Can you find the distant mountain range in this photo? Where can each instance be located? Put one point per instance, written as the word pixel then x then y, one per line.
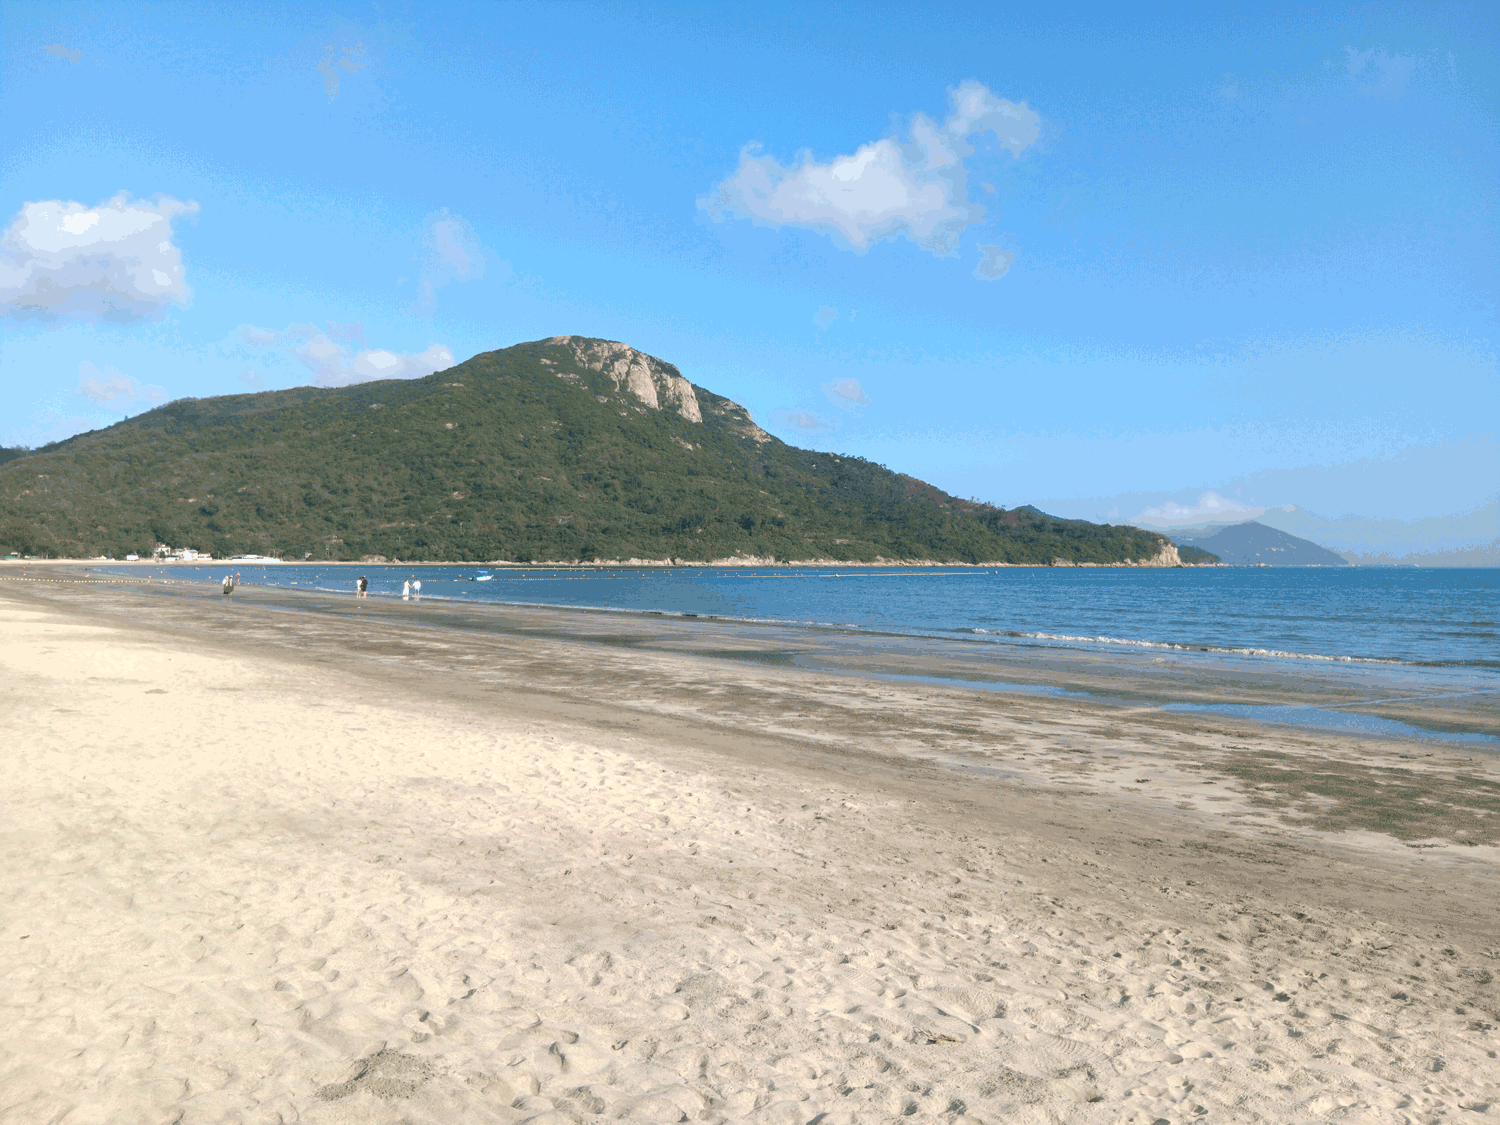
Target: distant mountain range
pixel 1251 544
pixel 565 449
pixel 1469 538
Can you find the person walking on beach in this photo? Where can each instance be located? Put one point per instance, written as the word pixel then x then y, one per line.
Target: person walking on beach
pixel 406 590
pixel 228 584
pixel 416 587
pixel 360 585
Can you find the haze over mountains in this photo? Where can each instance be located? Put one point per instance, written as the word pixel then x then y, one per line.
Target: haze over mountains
pixel 1470 538
pixel 563 449
pixel 1254 544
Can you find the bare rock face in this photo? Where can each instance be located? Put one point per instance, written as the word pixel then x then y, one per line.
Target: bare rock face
pixel 658 385
pixel 739 420
pixel 1167 556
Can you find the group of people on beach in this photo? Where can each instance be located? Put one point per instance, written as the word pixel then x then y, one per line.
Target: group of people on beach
pixel 411 588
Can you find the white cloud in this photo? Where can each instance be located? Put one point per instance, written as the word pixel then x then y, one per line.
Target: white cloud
pixel 106 385
pixel 825 316
pixel 846 394
pixel 58 51
pixel 116 261
pixel 339 356
pixel 450 252
pixel 995 264
pixel 1210 506
pixel 251 378
pixel 916 188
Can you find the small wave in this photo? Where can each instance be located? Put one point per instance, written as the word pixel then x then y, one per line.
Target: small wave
pixel 1456 663
pixel 1129 642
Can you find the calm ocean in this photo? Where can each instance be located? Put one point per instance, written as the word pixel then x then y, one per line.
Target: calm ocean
pixel 1433 618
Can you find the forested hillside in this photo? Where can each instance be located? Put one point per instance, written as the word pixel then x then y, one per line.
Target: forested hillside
pixel 563 449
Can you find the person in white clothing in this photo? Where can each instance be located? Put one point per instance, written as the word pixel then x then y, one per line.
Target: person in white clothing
pixel 416 588
pixel 406 589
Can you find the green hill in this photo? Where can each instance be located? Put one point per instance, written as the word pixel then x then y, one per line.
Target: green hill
pixel 562 449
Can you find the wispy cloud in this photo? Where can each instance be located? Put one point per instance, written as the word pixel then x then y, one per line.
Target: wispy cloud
pixel 1209 506
pixel 994 263
pixel 339 356
pixel 1379 75
pixel 58 51
pixel 803 422
pixel 108 384
pixel 251 378
pixel 117 261
pixel 846 394
pixel 450 252
pixel 335 59
pixel 46 426
pixel 825 316
pixel 913 187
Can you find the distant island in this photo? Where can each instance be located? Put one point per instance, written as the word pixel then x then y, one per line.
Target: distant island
pixel 1255 544
pixel 565 450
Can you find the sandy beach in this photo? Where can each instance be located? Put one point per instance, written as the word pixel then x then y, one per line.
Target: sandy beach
pixel 281 859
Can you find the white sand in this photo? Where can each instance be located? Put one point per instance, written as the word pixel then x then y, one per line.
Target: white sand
pixel 239 887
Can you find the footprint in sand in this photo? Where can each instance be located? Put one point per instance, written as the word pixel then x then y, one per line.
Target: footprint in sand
pixel 971 1003
pixel 1041 1055
pixel 386 1074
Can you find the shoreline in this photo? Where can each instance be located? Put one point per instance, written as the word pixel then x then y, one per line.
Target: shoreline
pixel 1432 702
pixel 741 562
pixel 337 864
pixel 738 561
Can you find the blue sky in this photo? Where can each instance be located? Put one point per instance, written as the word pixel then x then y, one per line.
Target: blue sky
pixel 1176 264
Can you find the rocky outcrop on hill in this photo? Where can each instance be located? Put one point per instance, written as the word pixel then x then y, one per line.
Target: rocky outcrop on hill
pixel 658 385
pixel 1166 557
pixel 734 417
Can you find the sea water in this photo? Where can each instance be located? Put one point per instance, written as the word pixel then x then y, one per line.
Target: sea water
pixel 1448 617
pixel 1440 627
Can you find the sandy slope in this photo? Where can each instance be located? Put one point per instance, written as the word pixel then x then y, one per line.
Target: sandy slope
pixel 249 886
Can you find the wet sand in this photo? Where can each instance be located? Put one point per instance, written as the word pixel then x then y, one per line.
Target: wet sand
pixel 285 854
